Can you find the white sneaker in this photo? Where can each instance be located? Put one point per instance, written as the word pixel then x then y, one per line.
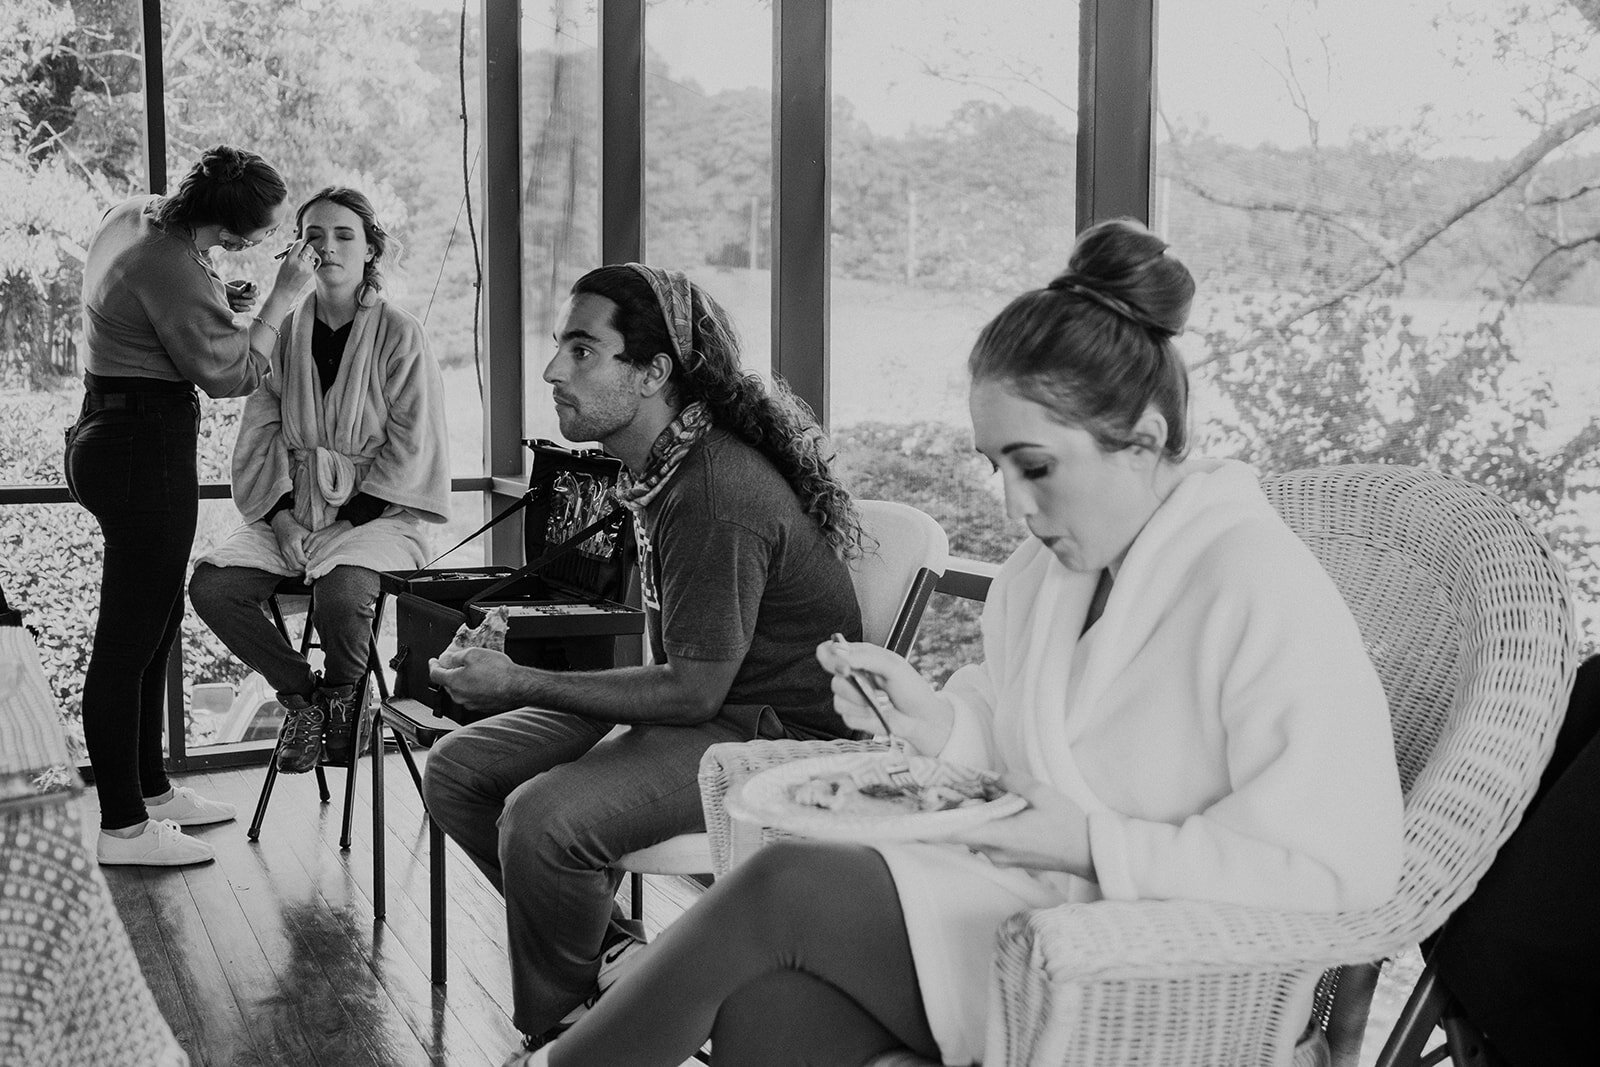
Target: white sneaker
pixel 618 960
pixel 161 844
pixel 188 808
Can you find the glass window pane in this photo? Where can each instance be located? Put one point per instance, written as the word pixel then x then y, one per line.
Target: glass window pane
pixel 225 701
pixel 50 570
pixel 364 93
pixel 561 179
pixel 708 155
pixel 71 86
pixel 213 676
pixel 953 162
pixel 1394 236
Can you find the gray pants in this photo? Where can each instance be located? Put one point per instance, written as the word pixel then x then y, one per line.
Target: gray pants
pixel 545 807
pixel 232 601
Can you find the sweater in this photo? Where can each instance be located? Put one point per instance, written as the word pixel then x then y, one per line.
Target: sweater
pixel 380 430
pixel 153 308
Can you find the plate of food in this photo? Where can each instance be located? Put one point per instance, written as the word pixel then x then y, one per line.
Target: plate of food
pixel 872 796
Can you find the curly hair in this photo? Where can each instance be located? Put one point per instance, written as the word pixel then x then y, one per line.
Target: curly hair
pixel 378 239
pixel 777 424
pixel 231 186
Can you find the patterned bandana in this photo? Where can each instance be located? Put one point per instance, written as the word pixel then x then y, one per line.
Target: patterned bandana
pixel 677 308
pixel 668 451
pixel 671 445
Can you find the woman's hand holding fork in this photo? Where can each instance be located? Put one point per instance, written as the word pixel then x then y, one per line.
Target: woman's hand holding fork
pixel 914 713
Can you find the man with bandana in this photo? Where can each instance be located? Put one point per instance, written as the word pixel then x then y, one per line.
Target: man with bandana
pixel 743 535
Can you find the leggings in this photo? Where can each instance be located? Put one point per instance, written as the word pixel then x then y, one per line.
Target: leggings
pixel 799 957
pixel 131 462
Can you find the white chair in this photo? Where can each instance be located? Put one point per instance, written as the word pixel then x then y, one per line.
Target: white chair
pixel 1468 619
pixel 904 558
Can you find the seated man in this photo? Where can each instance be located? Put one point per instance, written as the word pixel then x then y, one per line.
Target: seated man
pixel 743 534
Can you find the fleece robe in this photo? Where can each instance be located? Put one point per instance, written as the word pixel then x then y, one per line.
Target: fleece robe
pixel 1221 724
pixel 380 429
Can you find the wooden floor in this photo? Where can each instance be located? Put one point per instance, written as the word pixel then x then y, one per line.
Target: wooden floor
pixel 271 954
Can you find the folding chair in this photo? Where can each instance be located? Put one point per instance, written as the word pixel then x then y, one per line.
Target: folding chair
pixel 1511 976
pixel 293 588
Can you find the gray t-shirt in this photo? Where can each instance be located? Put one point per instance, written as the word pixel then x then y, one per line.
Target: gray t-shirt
pixel 740 570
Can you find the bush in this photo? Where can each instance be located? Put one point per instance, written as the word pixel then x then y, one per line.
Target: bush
pixel 932 467
pixel 1357 382
pixel 1354 382
pixel 50 554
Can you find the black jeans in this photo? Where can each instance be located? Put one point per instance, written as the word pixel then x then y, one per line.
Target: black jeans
pixel 130 460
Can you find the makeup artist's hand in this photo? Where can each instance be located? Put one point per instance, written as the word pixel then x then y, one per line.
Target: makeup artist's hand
pixel 241 295
pixel 299 266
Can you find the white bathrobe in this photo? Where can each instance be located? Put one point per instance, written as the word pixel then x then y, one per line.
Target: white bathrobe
pixel 380 429
pixel 1220 723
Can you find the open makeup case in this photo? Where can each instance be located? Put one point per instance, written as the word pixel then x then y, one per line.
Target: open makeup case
pixel 566 605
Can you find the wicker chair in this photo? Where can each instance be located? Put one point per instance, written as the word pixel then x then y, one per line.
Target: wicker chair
pixel 1468 619
pixel 71 991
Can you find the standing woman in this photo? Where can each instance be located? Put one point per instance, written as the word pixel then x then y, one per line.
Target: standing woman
pixel 157 322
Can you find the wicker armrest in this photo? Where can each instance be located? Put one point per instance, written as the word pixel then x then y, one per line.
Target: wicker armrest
pixel 724 767
pixel 1113 940
pixel 1065 976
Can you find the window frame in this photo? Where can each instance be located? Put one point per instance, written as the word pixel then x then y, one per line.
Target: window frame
pixel 1117 50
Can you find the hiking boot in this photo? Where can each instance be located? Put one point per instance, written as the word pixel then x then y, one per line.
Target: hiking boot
pixel 302 734
pixel 339 705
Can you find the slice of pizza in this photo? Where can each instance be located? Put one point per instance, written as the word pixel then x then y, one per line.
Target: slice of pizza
pixel 490 633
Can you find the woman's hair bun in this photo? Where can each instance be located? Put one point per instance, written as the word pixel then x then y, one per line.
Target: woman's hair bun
pixel 223 164
pixel 1122 266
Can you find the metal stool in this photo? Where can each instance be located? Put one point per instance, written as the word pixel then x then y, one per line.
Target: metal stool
pixel 295 587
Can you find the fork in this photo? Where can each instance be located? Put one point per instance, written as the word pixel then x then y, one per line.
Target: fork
pixel 898 768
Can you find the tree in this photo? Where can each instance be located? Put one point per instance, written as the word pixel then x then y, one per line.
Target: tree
pixel 332 92
pixel 1309 258
pixel 1360 242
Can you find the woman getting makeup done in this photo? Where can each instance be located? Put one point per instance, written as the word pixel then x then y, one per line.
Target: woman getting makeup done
pixel 342 457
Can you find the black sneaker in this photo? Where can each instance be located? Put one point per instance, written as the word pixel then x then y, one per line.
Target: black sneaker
pixel 302 734
pixel 339 708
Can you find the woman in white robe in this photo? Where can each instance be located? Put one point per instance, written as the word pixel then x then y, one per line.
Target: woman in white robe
pixel 1169 678
pixel 340 460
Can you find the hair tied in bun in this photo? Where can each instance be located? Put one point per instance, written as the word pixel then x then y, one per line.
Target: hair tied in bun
pixel 223 164
pixel 1080 286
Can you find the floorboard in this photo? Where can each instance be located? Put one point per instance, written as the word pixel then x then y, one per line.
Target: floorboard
pixel 272 955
